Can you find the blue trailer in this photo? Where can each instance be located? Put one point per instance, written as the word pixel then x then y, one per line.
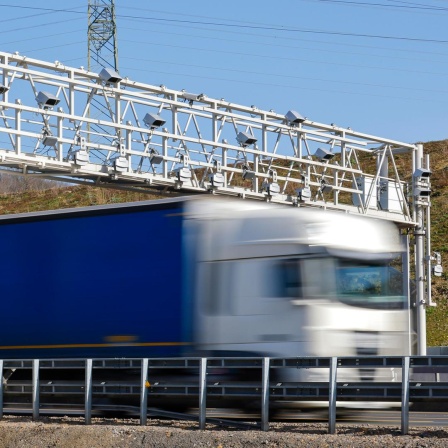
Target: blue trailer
pixel 103 281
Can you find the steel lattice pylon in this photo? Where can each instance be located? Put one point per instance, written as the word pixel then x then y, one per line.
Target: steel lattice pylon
pixel 102 35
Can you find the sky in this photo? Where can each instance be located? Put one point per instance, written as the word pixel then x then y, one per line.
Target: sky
pixel 379 67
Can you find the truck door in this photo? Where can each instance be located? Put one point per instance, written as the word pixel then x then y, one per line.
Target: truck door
pixel 246 308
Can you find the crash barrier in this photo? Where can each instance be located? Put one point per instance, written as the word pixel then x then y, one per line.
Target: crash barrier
pixel 38 386
pixel 439 350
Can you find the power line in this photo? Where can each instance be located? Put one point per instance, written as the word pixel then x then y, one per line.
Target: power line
pixel 413 51
pixel 253 26
pixel 357 3
pixel 265 73
pixel 50 10
pixel 295 86
pixel 413 3
pixel 286 76
pixel 53 46
pixel 301 47
pixel 291 29
pixel 202 49
pixel 36 26
pixel 46 36
pixel 288 58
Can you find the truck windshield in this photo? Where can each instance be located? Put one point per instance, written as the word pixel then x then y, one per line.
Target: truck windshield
pixel 369 285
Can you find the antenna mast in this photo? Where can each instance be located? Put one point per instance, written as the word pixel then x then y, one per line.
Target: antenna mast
pixel 102 48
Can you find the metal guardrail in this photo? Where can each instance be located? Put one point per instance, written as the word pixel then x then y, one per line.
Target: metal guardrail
pixel 203 378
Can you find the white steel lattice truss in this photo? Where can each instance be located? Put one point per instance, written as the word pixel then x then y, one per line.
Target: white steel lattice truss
pixel 150 137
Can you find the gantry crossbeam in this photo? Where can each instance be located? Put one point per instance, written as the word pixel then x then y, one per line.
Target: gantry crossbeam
pixel 151 137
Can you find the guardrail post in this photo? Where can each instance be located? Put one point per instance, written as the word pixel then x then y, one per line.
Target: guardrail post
pixel 203 393
pixel 88 390
pixel 332 396
pixel 405 396
pixel 144 384
pixel 265 396
pixel 1 388
pixel 35 388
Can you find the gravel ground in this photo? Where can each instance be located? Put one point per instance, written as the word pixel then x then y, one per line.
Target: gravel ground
pixel 22 432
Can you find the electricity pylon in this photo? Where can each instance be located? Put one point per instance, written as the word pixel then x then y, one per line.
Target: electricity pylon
pixel 102 48
pixel 102 35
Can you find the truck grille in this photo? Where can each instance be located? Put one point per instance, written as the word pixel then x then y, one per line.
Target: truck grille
pixel 366 344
